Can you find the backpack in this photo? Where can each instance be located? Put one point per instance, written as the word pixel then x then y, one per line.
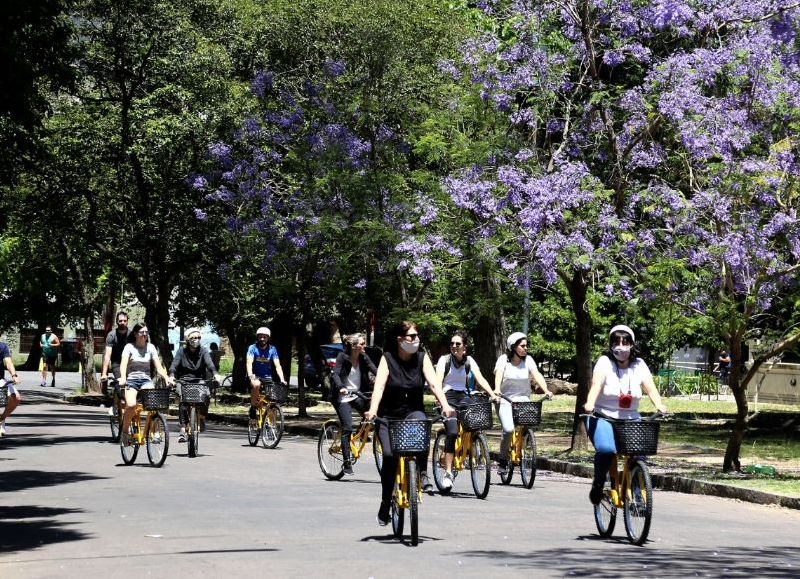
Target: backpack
pixel 470 382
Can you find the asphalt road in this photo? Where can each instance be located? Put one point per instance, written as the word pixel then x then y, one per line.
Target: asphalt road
pixel 69 508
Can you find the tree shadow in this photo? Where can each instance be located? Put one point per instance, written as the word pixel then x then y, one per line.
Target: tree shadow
pixel 23 535
pixel 36 440
pixel 17 480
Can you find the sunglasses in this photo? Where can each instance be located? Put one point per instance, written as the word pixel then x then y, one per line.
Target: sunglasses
pixel 412 336
pixel 456 344
pixel 145 333
pixel 194 339
pixel 623 340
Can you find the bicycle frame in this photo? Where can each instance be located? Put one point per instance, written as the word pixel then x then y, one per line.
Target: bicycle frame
pixel 515 447
pixel 139 438
pixel 401 477
pixel 359 438
pixel 620 480
pixel 463 446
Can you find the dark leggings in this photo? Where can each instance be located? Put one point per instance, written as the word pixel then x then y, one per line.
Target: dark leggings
pixel 344 410
pixel 457 399
pixel 389 468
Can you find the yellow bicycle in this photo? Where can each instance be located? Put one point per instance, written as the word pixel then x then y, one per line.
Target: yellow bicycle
pixel 472 449
pixel 522 449
pixel 154 433
pixel 329 446
pixel 117 407
pixel 268 423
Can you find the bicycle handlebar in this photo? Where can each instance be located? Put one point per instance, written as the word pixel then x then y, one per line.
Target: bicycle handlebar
pixel 657 415
pixel 508 399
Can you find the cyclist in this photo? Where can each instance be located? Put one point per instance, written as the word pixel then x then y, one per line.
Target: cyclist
pixel 261 357
pixel 399 385
pixel 139 357
pixel 351 374
pixel 513 374
pixel 115 343
pixel 13 394
pixel 458 373
pixel 193 361
pixel 618 381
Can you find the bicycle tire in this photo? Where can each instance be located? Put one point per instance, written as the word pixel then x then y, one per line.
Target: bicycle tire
pixel 193 432
pixel 253 430
pixel 331 461
pixel 413 500
pixel 227 382
pixel 377 450
pixel 527 462
pixel 638 502
pixel 272 430
pixel 398 514
pixel 437 463
pixel 157 439
pixel 115 421
pixel 131 450
pixel 605 513
pixel 479 466
pixel 505 477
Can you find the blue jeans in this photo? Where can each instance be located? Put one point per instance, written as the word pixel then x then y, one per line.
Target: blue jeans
pixel 601 433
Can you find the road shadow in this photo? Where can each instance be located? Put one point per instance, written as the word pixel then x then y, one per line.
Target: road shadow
pixel 21 534
pixel 33 440
pixel 651 560
pixel 390 538
pixel 17 480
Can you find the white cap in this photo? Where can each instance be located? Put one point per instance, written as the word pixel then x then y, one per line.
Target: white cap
pixel 514 338
pixel 263 330
pixel 622 328
pixel 191 331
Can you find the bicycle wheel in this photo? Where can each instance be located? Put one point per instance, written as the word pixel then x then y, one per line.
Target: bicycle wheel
pixel 398 514
pixel 253 430
pixel 194 432
pixel 272 430
pixel 157 437
pixel 413 500
pixel 227 382
pixel 377 450
pixel 638 502
pixel 329 451
pixel 527 463
pixel 479 466
pixel 130 450
pixel 437 463
pixel 605 513
pixel 115 420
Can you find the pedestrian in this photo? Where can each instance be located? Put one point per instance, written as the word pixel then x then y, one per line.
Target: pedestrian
pixel 723 365
pixel 13 394
pixel 50 343
pixel 216 354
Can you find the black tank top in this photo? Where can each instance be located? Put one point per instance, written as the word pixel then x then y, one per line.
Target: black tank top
pixel 404 387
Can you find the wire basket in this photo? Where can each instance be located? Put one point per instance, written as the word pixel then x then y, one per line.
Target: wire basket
pixel 275 391
pixel 193 393
pixel 155 398
pixel 476 416
pixel 409 436
pixel 3 395
pixel 636 437
pixel 527 413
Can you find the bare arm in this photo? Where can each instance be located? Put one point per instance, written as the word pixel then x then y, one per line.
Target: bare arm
pixel 106 362
pixel 123 368
pixel 9 363
pixel 540 381
pixel 161 371
pixel 650 389
pixel 377 392
pixel 279 370
pixel 436 386
pixel 598 378
pixel 482 381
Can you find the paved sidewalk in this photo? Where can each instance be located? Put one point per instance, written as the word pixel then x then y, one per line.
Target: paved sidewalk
pixel 68 388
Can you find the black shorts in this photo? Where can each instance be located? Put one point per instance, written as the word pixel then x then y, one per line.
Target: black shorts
pixel 50 360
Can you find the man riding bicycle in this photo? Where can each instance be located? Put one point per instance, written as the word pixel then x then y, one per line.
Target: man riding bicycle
pixel 115 343
pixel 261 357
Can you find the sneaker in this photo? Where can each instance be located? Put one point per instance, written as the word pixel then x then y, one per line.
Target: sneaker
pixel 111 411
pixel 447 481
pixel 427 487
pixel 42 383
pixel 502 467
pixel 596 494
pixel 348 468
pixel 182 436
pixel 383 514
pixel 2 429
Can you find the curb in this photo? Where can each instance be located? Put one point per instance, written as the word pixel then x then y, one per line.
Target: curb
pixel 664 482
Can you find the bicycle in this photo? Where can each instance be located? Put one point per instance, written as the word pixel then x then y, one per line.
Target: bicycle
pixel 472 449
pixel 155 433
pixel 268 423
pixel 117 407
pixel 631 488
pixel 407 438
pixel 329 445
pixel 522 448
pixel 193 393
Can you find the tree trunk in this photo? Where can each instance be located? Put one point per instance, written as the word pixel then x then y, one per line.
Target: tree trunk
pixel 35 355
pixel 90 382
pixel 156 316
pixel 490 329
pixel 739 389
pixel 578 286
pixel 239 342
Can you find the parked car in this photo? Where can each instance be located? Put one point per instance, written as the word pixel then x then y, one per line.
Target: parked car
pixel 324 382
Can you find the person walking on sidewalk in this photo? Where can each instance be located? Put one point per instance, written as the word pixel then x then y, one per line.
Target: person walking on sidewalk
pixel 13 394
pixel 50 343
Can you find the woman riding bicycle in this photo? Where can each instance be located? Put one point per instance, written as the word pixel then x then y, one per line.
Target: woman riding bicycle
pixel 618 381
pixel 193 361
pixel 458 373
pixel 350 375
pixel 399 385
pixel 513 374
pixel 138 359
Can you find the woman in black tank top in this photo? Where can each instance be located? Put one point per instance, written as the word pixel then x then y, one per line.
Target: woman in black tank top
pixel 399 384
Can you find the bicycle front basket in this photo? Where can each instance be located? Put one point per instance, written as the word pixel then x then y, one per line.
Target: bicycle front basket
pixel 275 391
pixel 527 413
pixel 155 398
pixel 636 437
pixel 3 395
pixel 409 436
pixel 476 416
pixel 193 392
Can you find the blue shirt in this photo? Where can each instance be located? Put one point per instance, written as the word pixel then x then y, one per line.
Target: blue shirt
pixel 262 360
